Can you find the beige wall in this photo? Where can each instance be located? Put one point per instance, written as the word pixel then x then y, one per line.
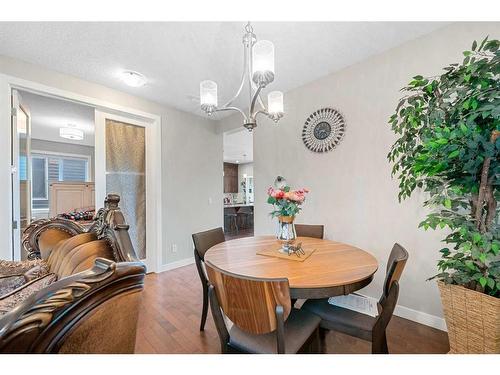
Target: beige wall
pixel 352 192
pixel 187 141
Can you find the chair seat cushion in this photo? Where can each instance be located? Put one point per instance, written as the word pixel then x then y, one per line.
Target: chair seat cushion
pixel 342 320
pixel 299 327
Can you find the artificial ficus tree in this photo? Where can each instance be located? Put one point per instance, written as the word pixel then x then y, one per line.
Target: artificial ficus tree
pixel 449 146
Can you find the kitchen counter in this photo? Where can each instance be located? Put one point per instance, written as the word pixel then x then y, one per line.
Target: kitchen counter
pixel 238 205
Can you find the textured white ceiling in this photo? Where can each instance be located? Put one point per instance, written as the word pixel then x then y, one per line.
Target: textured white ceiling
pixel 238 146
pixel 49 114
pixel 176 56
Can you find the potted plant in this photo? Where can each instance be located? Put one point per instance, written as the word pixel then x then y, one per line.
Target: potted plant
pixel 287 203
pixel 449 142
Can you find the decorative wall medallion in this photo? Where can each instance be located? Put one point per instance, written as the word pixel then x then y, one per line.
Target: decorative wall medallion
pixel 323 130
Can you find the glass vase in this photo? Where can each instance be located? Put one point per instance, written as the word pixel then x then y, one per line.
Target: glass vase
pixel 286 233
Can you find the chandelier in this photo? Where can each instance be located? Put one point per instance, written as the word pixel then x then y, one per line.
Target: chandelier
pixel 258 71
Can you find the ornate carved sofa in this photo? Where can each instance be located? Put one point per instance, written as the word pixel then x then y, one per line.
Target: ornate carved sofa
pixel 94 304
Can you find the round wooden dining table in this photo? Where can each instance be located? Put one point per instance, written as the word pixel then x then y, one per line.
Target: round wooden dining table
pixel 332 269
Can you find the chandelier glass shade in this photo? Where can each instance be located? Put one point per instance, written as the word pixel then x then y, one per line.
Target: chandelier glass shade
pixel 258 72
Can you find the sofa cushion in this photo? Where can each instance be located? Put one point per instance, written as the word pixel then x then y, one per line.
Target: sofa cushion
pixel 17 296
pixel 9 268
pixel 10 283
pixel 14 274
pixel 39 270
pixel 65 246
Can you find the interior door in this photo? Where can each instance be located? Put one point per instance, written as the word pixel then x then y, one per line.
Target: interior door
pixel 121 162
pixel 21 172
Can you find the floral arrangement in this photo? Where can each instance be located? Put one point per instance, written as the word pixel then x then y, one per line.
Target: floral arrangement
pixel 286 202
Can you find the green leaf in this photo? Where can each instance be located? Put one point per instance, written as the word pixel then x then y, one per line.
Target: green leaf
pixel 474 45
pixel 483 281
pixel 447 203
pixel 453 154
pixel 271 200
pixel 476 237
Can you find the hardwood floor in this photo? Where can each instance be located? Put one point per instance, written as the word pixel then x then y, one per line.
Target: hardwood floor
pixel 170 317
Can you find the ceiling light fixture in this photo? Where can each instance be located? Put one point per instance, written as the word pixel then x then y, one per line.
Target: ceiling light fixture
pixel 133 79
pixel 258 70
pixel 71 132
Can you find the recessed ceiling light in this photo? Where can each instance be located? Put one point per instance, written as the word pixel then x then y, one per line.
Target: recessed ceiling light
pixel 237 161
pixel 71 132
pixel 132 78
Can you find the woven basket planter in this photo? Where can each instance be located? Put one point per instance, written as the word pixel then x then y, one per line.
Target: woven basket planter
pixel 472 318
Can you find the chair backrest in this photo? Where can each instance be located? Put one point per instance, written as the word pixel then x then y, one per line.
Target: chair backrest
pixel 205 240
pixel 230 211
pixel 251 303
pixel 395 266
pixel 245 210
pixel 307 230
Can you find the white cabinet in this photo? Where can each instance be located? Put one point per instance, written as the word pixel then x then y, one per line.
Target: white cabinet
pixel 68 196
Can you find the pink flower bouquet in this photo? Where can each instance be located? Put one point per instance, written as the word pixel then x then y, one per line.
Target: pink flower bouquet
pixel 286 202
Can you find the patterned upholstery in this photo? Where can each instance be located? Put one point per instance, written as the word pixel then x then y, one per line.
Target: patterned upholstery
pixel 14 275
pixel 10 283
pixel 8 268
pixel 14 298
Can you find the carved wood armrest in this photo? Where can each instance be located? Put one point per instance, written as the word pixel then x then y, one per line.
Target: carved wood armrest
pixel 40 323
pixel 33 232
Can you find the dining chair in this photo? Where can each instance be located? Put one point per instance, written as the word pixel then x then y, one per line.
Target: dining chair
pixel 361 325
pixel 231 214
pixel 202 242
pixel 308 230
pixel 262 316
pixel 246 213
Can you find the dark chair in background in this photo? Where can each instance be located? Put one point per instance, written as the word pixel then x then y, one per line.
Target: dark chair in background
pixel 245 213
pixel 361 325
pixel 202 242
pixel 231 216
pixel 306 230
pixel 263 318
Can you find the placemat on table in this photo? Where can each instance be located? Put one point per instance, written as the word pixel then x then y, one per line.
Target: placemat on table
pixel 274 251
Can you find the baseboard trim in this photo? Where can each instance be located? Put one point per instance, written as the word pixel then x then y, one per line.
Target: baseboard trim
pixel 176 264
pixel 401 311
pixel 418 316
pixel 421 317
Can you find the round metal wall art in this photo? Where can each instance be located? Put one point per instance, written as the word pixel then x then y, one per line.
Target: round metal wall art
pixel 323 130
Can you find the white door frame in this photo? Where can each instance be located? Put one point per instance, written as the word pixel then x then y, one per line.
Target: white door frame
pixel 7 84
pixel 18 105
pixel 100 171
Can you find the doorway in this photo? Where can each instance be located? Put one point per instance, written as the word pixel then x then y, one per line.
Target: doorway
pixel 30 164
pixel 53 159
pixel 238 194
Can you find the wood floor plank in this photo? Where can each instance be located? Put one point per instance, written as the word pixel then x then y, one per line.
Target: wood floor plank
pixel 170 314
